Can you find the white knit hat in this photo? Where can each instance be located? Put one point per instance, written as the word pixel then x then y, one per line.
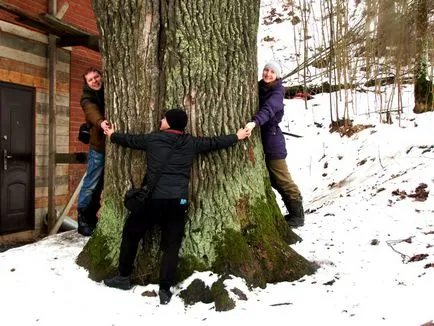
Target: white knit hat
pixel 273 65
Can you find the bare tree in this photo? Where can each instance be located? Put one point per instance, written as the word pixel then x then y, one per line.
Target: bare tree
pixel 393 48
pixel 200 56
pixel 423 93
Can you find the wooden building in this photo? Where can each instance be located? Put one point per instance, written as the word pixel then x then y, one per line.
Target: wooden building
pixel 45 46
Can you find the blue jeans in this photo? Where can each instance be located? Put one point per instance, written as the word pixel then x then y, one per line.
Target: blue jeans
pixel 90 193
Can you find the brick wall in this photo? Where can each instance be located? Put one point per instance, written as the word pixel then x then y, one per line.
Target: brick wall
pixel 32 7
pixel 80 14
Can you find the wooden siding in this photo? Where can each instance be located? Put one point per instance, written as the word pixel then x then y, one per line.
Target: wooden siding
pixel 32 61
pixel 24 62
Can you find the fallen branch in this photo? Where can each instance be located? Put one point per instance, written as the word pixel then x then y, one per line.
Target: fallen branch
pixel 404 257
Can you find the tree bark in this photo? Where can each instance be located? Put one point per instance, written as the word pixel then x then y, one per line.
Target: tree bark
pixel 423 96
pixel 201 56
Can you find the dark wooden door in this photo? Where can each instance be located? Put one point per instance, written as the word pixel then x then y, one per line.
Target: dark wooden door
pixel 17 158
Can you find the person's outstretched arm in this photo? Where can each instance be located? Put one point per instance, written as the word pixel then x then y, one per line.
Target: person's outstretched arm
pixel 207 144
pixel 268 110
pixel 92 112
pixel 126 140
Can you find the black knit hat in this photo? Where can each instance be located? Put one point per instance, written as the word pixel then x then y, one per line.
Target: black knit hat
pixel 177 119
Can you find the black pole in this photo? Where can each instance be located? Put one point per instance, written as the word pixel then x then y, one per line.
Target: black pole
pixel 291 134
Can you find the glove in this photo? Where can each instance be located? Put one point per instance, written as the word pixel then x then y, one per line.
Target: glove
pixel 250 125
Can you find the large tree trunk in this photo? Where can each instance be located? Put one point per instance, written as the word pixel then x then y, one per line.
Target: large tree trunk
pixel 200 55
pixel 423 96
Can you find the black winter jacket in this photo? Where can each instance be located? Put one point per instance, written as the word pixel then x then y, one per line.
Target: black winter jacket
pixel 173 182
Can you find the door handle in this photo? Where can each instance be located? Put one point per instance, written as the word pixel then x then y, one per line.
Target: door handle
pixel 5 159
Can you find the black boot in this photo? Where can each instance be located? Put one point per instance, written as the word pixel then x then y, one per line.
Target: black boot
pixel 295 216
pixel 85 226
pixel 119 282
pixel 92 210
pixel 165 296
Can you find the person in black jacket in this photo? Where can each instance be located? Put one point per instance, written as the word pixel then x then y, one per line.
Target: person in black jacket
pixel 169 199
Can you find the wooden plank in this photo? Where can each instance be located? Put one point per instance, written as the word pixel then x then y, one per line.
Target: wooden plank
pixel 24 45
pixel 68 206
pixel 90 41
pixel 61 99
pixel 24 56
pixel 23 32
pixel 49 23
pixel 62 11
pixel 43 191
pixel 52 58
pixel 71 158
pixel 61 27
pixel 26 80
pixel 24 17
pixel 41 84
pixel 8 64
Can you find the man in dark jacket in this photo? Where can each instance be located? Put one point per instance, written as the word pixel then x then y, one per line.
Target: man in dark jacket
pixel 92 103
pixel 169 199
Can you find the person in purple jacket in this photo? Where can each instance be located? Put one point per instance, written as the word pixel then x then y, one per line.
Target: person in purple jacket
pixel 268 117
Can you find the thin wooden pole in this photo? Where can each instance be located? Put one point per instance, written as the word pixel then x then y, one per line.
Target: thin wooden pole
pixel 52 59
pixel 59 222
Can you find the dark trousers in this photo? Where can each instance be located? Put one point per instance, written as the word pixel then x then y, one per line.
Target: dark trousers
pixel 170 214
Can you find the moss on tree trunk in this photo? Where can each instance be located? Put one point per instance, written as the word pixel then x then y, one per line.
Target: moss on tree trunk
pixel 199 55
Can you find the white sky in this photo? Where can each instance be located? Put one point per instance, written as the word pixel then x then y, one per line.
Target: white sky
pixel 40 284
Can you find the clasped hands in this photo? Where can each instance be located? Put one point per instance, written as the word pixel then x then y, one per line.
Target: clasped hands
pixel 108 128
pixel 246 132
pixel 250 125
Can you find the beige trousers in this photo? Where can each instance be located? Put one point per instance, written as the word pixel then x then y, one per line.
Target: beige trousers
pixel 281 180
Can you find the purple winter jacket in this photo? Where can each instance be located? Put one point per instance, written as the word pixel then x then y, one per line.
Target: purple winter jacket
pixel 268 118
